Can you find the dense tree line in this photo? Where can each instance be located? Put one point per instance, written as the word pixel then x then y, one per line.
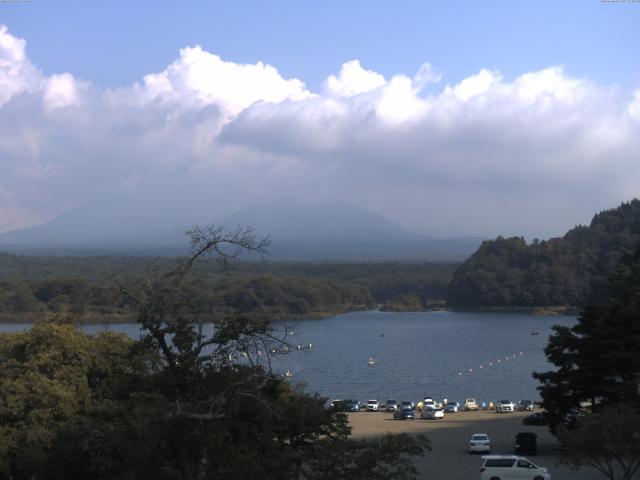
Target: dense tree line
pixel 279 297
pixel 179 403
pixel 592 398
pixel 572 270
pixel 87 286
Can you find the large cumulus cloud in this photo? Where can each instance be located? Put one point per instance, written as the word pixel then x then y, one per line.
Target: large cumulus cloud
pixel 485 155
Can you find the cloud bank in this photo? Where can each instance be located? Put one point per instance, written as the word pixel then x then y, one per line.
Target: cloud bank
pixel 485 155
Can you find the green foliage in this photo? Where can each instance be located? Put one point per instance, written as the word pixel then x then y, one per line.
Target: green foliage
pixel 182 403
pixel 572 270
pixel 408 302
pixel 48 375
pixel 83 286
pixel 366 459
pixel 608 440
pixel 598 359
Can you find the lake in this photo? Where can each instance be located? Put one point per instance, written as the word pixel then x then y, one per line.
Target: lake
pixel 453 355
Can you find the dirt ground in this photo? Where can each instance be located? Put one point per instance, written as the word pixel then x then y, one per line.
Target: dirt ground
pixel 450 459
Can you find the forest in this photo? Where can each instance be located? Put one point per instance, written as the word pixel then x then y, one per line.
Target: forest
pixel 88 287
pixel 504 273
pixel 571 270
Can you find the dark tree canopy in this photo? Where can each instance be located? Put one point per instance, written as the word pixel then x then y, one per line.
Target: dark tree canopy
pixel 607 440
pixel 571 270
pixel 598 359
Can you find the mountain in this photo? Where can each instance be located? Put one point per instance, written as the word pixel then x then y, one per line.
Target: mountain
pixel 571 270
pixel 337 231
pixel 298 230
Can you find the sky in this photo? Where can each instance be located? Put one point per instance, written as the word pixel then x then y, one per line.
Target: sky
pixel 449 118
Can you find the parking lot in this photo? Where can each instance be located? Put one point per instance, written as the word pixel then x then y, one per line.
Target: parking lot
pixel 450 458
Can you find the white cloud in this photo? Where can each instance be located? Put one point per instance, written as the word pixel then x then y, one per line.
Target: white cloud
pixel 474 85
pixel 425 76
pixel 200 78
pixel 634 106
pixel 17 74
pixel 485 155
pixel 353 80
pixel 61 91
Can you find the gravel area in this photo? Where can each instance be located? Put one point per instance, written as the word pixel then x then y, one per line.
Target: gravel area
pixel 449 458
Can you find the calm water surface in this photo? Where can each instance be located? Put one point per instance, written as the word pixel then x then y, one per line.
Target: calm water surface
pixel 427 353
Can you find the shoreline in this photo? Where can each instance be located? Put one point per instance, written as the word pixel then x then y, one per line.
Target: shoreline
pixel 123 318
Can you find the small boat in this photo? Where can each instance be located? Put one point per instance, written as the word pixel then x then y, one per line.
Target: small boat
pixel 288 373
pixel 371 361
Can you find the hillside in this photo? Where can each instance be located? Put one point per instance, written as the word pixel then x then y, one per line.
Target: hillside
pixel 572 270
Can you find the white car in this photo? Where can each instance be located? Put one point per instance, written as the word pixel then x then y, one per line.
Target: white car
pixel 432 413
pixel 505 406
pixel 372 405
pixel 429 402
pixel 479 442
pixel 470 404
pixel 511 466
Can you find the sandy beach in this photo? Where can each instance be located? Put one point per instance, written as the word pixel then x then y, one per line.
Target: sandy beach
pixel 450 459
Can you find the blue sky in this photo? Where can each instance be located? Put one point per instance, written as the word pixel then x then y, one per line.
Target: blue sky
pixel 450 118
pixel 114 43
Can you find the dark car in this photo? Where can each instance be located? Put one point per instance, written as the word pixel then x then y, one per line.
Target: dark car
pixel 344 405
pixel 526 443
pixel 404 414
pixel 538 418
pixel 391 406
pixel 525 405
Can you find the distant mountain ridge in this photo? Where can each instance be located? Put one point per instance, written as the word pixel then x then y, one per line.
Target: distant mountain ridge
pixel 572 270
pixel 298 230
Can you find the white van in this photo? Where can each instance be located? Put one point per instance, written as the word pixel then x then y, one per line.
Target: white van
pixel 511 467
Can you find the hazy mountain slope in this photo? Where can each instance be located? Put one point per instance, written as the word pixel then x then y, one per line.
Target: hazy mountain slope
pixel 298 231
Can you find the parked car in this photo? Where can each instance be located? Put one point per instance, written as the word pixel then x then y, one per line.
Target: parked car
pixel 470 404
pixel 345 405
pixel 511 466
pixel 505 406
pixel 404 414
pixel 407 404
pixel 526 443
pixel 452 407
pixel 538 418
pixel 338 405
pixel 525 405
pixel 372 405
pixel 479 442
pixel 429 402
pixel 432 413
pixel 391 406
